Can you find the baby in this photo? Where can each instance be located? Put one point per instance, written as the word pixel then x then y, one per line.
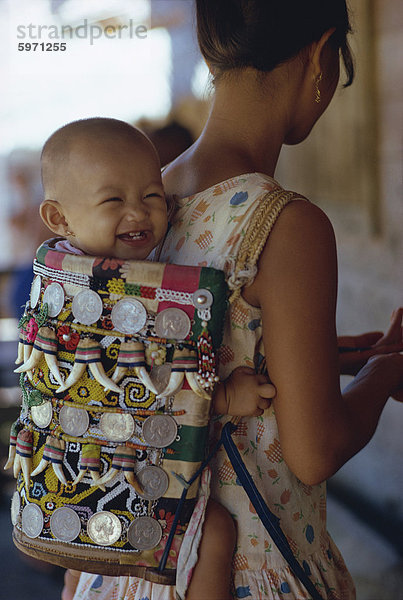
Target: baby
pixel 105 197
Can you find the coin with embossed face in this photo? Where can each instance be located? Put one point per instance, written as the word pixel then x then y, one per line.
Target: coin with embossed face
pixel 154 482
pixel 15 507
pixel 117 427
pixel 54 297
pixel 128 315
pixel 65 524
pixel 104 528
pixel 87 307
pixel 73 421
pixel 32 520
pixel 35 291
pixel 159 430
pixel 172 323
pixel 42 414
pixel 144 533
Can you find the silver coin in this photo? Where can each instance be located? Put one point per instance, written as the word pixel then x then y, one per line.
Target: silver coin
pixel 87 307
pixel 160 375
pixel 202 298
pixel 159 431
pixel 117 427
pixel 74 421
pixel 104 528
pixel 35 291
pixel 42 414
pixel 65 524
pixel 154 482
pixel 32 520
pixel 144 533
pixel 129 315
pixel 172 323
pixel 15 507
pixel 54 297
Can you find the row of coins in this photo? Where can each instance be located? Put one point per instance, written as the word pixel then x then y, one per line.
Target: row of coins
pixel 104 528
pixel 128 315
pixel 158 431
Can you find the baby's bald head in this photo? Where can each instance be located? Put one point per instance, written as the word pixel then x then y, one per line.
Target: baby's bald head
pixel 83 136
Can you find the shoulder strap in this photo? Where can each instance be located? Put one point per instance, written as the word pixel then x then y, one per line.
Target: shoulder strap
pixel 259 228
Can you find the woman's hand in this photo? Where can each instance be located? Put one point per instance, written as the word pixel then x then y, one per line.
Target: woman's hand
pixel 382 373
pixel 355 351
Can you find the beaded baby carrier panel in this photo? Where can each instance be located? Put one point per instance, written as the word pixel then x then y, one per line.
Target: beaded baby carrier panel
pixel 117 367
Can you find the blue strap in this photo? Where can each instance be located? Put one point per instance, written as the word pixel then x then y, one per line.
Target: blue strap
pixel 269 520
pixel 186 486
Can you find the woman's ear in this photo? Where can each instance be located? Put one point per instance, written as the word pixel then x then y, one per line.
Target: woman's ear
pixel 316 52
pixel 52 215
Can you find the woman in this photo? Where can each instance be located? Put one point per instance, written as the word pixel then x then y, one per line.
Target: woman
pixel 276 67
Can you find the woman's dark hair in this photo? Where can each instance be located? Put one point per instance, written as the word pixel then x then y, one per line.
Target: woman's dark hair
pixel 234 34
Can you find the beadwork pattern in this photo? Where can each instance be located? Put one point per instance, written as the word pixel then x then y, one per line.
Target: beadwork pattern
pixel 100 387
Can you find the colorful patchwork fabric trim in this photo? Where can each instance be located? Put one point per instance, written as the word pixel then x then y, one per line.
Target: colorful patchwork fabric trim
pixel 117 363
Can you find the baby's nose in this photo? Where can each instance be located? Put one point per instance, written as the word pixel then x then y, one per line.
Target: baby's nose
pixel 137 212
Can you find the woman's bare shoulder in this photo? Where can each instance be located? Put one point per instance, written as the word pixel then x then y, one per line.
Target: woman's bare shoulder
pixel 302 242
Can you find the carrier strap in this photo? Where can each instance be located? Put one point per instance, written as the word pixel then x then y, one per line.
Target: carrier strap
pixel 259 227
pixel 269 520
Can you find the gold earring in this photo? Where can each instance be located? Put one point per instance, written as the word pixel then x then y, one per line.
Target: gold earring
pixel 317 90
pixel 70 233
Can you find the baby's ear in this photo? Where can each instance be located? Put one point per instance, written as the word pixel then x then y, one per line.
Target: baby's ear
pixel 52 215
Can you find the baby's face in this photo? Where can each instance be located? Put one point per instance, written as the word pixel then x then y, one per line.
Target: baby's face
pixel 113 199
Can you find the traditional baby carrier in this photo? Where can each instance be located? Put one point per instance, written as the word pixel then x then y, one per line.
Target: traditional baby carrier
pixel 117 367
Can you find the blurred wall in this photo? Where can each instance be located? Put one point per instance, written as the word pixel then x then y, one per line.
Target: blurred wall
pixel 352 167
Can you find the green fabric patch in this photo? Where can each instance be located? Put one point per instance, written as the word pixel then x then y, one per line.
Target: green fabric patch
pixel 190 446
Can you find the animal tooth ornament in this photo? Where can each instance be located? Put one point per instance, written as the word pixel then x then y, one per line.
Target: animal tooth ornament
pixel 22 342
pixel 88 353
pixel 124 458
pixel 192 376
pixel 82 440
pixel 24 350
pixel 23 456
pixel 184 361
pixel 53 454
pixel 45 344
pixel 90 461
pixel 12 445
pixel 131 356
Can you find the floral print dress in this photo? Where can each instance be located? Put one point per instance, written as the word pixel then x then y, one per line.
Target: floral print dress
pixel 207 230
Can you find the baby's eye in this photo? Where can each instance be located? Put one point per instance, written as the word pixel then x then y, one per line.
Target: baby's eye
pixel 113 199
pixel 153 195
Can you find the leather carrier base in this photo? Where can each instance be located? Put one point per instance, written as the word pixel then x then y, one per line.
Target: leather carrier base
pixel 110 563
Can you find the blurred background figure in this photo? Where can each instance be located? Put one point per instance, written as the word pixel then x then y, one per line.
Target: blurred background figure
pixel 26 229
pixel 170 140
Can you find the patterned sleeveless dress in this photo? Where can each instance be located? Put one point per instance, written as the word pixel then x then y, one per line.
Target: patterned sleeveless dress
pixel 207 230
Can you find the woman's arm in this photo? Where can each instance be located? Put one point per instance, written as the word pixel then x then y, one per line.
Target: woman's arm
pixel 296 288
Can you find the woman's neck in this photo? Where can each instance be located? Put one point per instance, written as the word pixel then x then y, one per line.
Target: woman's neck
pixel 243 134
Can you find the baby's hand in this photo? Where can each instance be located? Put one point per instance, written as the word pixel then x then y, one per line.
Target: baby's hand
pixel 247 394
pixel 70 584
